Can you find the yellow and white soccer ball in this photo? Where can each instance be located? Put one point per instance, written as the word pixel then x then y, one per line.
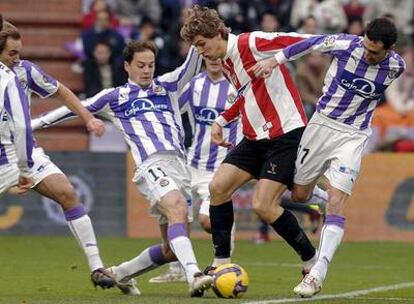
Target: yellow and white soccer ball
pixel 230 281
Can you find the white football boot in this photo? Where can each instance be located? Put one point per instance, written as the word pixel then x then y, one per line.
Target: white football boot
pixel 308 287
pixel 128 286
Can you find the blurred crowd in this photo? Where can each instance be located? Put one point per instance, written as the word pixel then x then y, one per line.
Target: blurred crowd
pixel 108 25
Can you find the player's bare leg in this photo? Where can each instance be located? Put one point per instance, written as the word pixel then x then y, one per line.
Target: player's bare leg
pixel 58 188
pixel 266 204
pixel 331 237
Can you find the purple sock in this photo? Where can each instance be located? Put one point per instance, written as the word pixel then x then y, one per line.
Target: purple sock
pixel 176 230
pixel 337 220
pixel 75 213
pixel 156 255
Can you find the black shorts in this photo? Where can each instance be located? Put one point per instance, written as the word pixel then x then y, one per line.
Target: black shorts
pixel 269 159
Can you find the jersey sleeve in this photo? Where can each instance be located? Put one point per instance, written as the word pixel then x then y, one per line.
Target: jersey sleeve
pixel 185 98
pixel 96 105
pixel 330 44
pixel 266 44
pixel 176 80
pixel 17 107
pixel 40 82
pixel 230 114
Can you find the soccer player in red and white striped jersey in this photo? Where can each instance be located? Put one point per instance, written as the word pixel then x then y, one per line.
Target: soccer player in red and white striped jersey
pixel 273 121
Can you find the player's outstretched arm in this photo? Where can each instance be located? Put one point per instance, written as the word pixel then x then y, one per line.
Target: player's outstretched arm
pixel 94 125
pixel 96 105
pixel 177 79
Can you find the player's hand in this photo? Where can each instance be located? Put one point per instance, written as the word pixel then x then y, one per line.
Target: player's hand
pixel 217 136
pixel 264 68
pixel 25 183
pixel 96 126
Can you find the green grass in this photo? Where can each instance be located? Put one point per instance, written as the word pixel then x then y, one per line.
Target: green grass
pixel 52 270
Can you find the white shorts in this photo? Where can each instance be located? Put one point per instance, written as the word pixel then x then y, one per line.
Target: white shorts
pixel 200 179
pixel 331 148
pixel 159 174
pixel 42 167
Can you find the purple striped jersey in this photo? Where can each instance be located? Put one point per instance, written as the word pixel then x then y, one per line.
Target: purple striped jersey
pixel 204 99
pixel 32 80
pixel 149 118
pixel 14 117
pixel 352 87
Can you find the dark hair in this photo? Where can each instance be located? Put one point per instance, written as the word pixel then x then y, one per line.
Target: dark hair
pixel 203 21
pixel 382 29
pixel 8 30
pixel 138 47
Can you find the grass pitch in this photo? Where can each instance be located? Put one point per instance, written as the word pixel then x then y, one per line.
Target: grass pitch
pixel 52 270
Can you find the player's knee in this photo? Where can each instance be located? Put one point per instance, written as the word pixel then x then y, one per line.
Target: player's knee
pixel 336 205
pixel 218 191
pixel 260 208
pixel 67 197
pixel 299 195
pixel 177 209
pixel 204 221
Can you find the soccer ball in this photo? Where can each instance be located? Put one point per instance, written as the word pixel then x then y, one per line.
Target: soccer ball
pixel 230 281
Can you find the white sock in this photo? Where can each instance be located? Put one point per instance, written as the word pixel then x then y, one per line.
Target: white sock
pixel 135 267
pixel 83 232
pixel 181 246
pixel 331 237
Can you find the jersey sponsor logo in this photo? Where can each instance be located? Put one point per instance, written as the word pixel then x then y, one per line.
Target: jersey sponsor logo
pixel 361 86
pixel 143 105
pixel 205 115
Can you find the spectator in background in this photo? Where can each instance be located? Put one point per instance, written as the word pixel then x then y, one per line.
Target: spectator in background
pixel 401 10
pixel 354 10
pixel 97 6
pixel 355 27
pixel 132 11
pixel 102 31
pixel 281 9
pixel 329 13
pixel 101 71
pixel 269 22
pixel 398 111
pixel 310 73
pixel 309 25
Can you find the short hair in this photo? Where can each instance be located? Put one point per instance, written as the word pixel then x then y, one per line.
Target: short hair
pixel 7 30
pixel 138 47
pixel 382 29
pixel 203 21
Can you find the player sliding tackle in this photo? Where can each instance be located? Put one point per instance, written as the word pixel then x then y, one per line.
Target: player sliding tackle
pixel 333 142
pixel 147 113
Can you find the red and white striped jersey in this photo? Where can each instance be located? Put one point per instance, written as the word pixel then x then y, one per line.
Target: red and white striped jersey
pixel 268 107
